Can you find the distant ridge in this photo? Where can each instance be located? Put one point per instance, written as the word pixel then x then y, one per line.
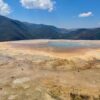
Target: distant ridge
pixel 16 30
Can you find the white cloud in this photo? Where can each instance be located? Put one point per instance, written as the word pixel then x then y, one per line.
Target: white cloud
pixel 38 4
pixel 86 14
pixel 4 8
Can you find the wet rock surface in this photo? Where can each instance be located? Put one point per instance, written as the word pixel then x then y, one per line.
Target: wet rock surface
pixel 27 75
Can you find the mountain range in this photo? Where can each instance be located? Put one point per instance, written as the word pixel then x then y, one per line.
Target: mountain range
pixel 11 29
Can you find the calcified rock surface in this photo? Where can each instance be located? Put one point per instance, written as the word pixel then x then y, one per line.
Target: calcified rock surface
pixel 32 70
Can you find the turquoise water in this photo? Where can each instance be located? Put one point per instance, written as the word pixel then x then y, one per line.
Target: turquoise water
pixel 72 44
pixel 60 44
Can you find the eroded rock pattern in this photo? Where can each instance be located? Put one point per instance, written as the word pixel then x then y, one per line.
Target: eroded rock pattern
pixel 28 75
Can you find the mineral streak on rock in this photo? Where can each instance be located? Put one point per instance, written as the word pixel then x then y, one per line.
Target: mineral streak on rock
pixel 32 70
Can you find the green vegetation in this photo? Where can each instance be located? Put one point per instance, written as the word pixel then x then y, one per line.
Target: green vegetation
pixel 16 30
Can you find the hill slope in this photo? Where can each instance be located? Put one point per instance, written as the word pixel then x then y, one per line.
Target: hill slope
pixel 16 30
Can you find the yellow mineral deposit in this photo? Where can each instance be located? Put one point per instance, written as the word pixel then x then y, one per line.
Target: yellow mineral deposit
pixel 34 70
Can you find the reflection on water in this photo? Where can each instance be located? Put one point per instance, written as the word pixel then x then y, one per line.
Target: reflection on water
pixel 72 44
pixel 57 44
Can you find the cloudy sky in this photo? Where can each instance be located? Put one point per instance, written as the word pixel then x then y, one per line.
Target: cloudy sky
pixel 61 13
